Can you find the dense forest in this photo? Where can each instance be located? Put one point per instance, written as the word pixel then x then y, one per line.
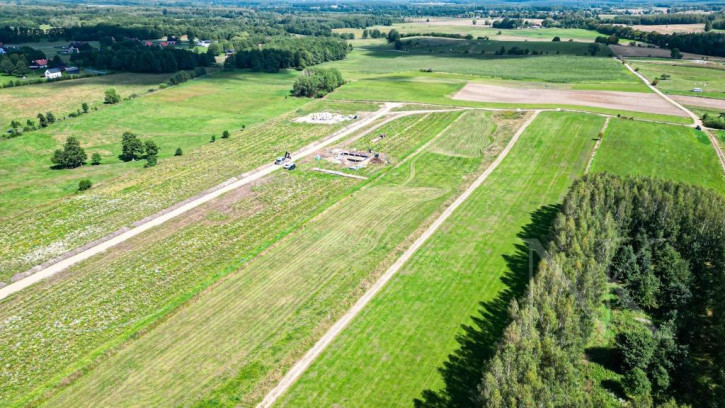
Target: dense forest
pixel 698 43
pixel 659 246
pixel 284 53
pixel 658 19
pixel 134 56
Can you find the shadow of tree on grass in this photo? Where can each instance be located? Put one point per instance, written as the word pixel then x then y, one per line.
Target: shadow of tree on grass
pixel 463 371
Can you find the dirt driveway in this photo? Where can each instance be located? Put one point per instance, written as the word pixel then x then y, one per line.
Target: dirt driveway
pixel 625 101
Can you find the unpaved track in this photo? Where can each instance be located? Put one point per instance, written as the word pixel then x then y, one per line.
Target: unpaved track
pixel 299 368
pixel 713 140
pixel 163 217
pixel 597 144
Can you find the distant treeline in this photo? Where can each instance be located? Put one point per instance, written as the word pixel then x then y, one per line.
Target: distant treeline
pixel 323 25
pixel 658 19
pixel 661 243
pixel 135 57
pixel 289 53
pixel 697 43
pixel 440 35
pixel 83 33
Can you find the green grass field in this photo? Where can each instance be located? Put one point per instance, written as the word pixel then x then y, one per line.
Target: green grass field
pixel 671 152
pixel 685 77
pixel 392 352
pixel 63 97
pixel 57 225
pixel 275 306
pixel 377 57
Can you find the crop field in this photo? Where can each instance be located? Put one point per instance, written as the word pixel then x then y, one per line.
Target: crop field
pixel 25 102
pixel 380 58
pixel 451 297
pixel 685 77
pixel 466 26
pixel 656 150
pixel 50 230
pixel 269 310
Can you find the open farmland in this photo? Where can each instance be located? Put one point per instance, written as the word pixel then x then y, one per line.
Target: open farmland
pixel 63 97
pixel 477 256
pixel 52 230
pixel 655 150
pixel 304 282
pixel 466 26
pixel 683 78
pixel 183 116
pixel 626 101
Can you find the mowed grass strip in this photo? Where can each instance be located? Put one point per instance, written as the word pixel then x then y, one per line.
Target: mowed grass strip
pixel 670 152
pixel 49 230
pixel 231 343
pixel 392 352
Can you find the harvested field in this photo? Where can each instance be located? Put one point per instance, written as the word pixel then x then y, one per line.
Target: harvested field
pixel 627 101
pixel 672 28
pixel 628 51
pixel 709 103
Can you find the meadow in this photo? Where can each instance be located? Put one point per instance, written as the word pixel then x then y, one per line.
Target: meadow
pixel 377 57
pixel 445 307
pixel 63 97
pixel 655 150
pixel 685 77
pixel 274 306
pixel 56 226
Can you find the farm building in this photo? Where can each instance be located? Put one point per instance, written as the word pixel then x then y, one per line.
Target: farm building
pixel 53 73
pixel 39 63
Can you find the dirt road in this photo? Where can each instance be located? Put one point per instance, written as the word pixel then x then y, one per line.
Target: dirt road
pixel 299 368
pixel 627 101
pixel 165 216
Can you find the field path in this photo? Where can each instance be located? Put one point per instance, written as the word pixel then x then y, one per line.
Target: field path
pixel 695 118
pixel 299 368
pixel 597 144
pixel 166 215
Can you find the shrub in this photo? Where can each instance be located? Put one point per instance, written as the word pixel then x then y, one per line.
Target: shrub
pixel 556 39
pixel 213 139
pixel 225 134
pixel 636 382
pixel 178 152
pixel 95 159
pixel 84 184
pixel 112 97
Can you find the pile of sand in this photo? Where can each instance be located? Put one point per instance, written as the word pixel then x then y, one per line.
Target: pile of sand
pixel 325 118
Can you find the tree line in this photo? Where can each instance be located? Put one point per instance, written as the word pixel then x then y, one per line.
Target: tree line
pixel 135 57
pixel 285 53
pixel 658 19
pixel 708 43
pixel 661 242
